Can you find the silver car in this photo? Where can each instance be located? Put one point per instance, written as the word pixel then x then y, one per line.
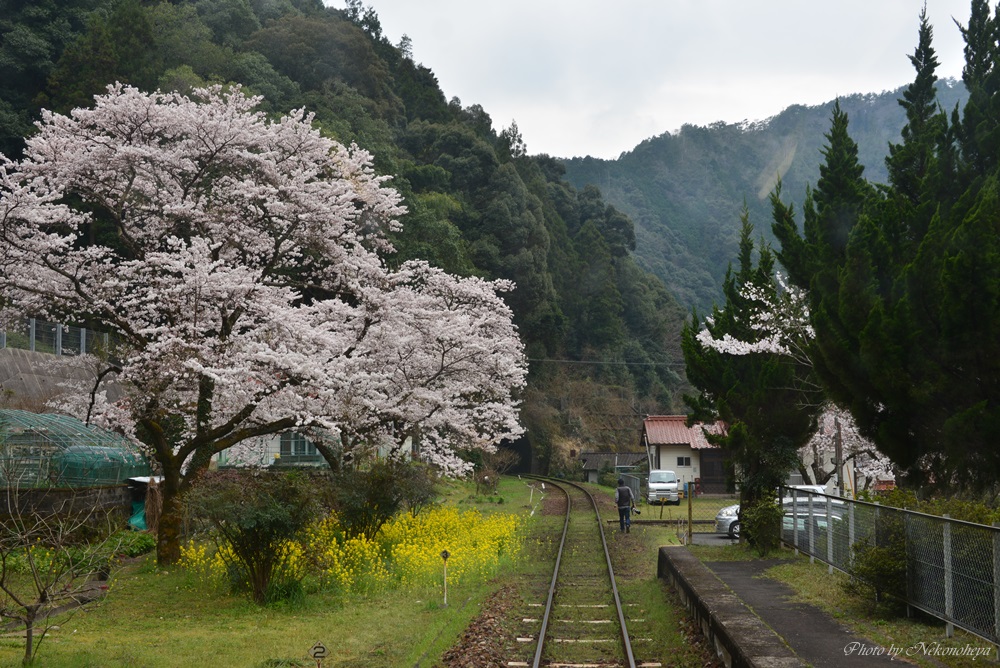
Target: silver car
pixel 727 520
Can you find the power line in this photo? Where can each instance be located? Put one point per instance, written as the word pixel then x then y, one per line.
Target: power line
pixel 609 362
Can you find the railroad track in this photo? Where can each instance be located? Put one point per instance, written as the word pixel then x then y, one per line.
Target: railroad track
pixel 583 622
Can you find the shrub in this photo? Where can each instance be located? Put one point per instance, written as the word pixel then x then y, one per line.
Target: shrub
pixel 878 565
pixel 255 517
pixel 135 543
pixel 878 575
pixel 366 499
pixel 761 525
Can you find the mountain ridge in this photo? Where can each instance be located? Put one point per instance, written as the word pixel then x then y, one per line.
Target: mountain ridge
pixel 684 190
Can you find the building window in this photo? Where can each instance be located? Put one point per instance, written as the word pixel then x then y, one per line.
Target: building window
pixel 683 461
pixel 294 444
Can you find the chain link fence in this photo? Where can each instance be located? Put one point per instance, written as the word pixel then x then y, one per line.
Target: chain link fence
pixel 951 566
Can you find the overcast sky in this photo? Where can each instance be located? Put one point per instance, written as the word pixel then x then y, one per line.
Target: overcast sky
pixel 582 77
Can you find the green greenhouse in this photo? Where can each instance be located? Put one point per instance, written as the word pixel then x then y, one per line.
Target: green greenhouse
pixel 50 450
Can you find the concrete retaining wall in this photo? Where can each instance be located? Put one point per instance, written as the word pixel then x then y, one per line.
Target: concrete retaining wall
pixel 739 637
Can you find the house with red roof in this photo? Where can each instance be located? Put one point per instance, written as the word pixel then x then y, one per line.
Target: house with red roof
pixel 670 444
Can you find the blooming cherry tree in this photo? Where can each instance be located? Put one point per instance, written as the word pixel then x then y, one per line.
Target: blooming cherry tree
pixel 818 457
pixel 778 318
pixel 238 261
pixel 780 322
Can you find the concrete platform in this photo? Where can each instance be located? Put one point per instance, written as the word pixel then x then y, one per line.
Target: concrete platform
pixel 751 621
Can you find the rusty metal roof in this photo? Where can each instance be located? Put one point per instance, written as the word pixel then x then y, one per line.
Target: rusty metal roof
pixel 673 430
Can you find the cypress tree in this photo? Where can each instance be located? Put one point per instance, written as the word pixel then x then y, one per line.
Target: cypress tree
pixel 910 162
pixel 766 399
pixel 815 260
pixel 905 282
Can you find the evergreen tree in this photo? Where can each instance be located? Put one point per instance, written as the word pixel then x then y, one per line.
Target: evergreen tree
pixel 905 288
pixel 978 130
pixel 767 400
pixel 815 259
pixel 910 162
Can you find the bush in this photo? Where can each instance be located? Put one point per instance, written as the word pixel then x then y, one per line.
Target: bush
pixel 761 525
pixel 878 575
pixel 366 499
pixel 878 567
pixel 135 543
pixel 256 516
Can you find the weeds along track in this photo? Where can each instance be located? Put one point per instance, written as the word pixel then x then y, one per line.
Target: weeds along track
pixel 582 621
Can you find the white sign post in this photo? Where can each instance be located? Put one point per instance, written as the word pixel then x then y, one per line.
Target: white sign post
pixel 444 557
pixel 318 652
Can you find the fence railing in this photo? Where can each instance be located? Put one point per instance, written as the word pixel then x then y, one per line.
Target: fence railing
pixel 53 338
pixel 952 567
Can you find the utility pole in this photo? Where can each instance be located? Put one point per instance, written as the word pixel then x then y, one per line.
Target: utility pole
pixel 838 449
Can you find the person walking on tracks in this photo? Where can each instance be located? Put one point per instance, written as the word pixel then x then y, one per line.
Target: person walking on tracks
pixel 626 502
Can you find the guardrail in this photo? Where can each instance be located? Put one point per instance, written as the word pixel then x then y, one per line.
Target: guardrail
pixel 952 567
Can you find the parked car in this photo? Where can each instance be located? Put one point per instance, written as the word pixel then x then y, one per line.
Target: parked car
pixel 662 487
pixel 727 520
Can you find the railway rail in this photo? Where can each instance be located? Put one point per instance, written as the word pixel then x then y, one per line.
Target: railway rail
pixel 583 621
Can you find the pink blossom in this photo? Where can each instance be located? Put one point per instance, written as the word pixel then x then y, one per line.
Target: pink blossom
pixel 238 262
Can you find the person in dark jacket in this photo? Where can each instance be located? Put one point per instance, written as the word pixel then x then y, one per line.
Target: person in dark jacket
pixel 625 502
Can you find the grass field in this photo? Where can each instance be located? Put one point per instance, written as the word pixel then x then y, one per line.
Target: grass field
pixel 156 617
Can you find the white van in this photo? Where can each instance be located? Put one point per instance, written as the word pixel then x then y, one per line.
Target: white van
pixel 663 487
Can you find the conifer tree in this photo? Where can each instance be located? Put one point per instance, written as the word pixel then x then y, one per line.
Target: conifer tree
pixel 816 258
pixel 909 163
pixel 978 130
pixel 767 399
pixel 904 284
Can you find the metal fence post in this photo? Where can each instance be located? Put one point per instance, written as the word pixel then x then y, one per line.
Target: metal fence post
pixel 59 330
pixel 996 584
pixel 83 340
pixel 31 334
pixel 690 537
pixel 850 535
pixel 812 531
pixel 949 603
pixel 795 520
pixel 829 537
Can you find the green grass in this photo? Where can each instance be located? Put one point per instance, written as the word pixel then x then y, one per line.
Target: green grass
pixel 816 586
pixel 155 617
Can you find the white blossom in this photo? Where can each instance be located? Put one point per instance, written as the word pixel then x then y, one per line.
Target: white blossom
pixel 867 462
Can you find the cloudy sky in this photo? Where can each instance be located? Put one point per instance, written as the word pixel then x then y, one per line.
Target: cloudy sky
pixel 582 77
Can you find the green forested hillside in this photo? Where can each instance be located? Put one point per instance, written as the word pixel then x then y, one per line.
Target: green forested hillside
pixel 602 334
pixel 685 191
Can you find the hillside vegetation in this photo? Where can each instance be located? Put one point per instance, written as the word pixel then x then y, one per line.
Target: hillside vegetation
pixel 685 190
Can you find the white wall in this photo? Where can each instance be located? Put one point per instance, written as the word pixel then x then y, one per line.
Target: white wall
pixel 668 455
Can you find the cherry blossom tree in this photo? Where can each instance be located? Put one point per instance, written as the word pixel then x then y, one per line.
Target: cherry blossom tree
pixel 239 262
pixel 818 458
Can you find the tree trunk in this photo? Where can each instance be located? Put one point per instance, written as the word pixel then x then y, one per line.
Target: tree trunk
pixel 29 638
pixel 168 535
